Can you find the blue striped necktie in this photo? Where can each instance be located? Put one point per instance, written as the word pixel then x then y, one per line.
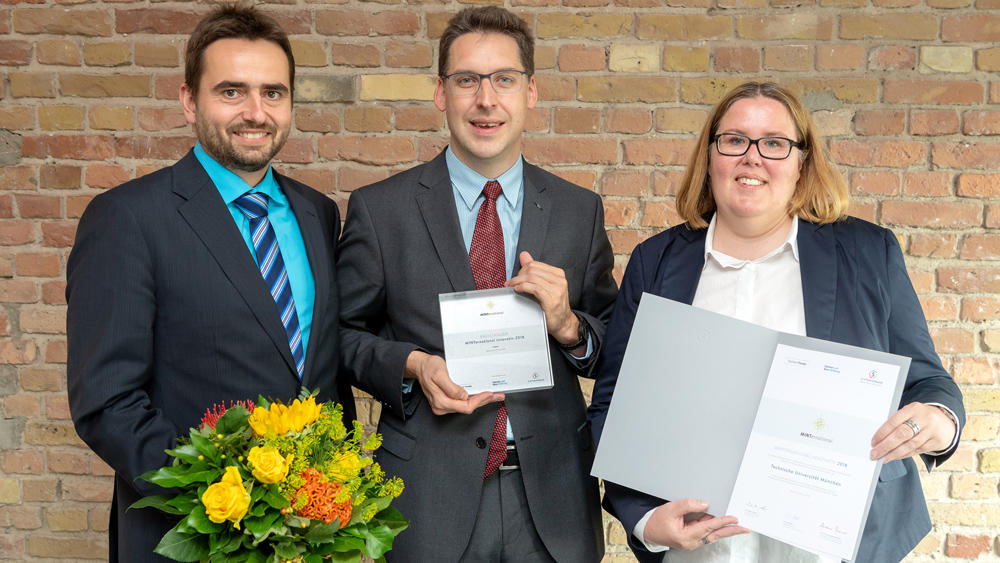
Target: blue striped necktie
pixel 272 267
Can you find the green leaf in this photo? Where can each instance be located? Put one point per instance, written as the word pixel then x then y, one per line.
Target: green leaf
pixel 286 550
pixel 179 476
pixel 181 546
pixel 184 502
pixel 233 421
pixel 393 519
pixel 273 498
pixel 378 540
pixel 159 502
pixel 199 521
pixel 205 446
pixel 187 453
pixel 345 557
pixel 260 527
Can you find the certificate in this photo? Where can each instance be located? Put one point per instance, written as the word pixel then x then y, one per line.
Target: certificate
pixel 770 427
pixel 495 340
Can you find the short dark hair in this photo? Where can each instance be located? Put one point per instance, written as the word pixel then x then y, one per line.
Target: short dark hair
pixel 232 21
pixel 488 19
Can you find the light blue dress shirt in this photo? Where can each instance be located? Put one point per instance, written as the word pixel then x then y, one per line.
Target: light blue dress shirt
pixel 286 230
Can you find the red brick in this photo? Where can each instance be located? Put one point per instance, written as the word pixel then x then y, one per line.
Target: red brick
pixel 39 206
pixel 583 150
pixel 18 177
pixel 322 180
pixel 79 548
pixel 877 153
pixel 894 58
pixel 41 379
pixel 626 89
pixel 980 247
pixel 875 182
pixel 418 118
pixel 58 233
pixel 154 20
pixel 17 117
pixel 18 291
pixel 933 183
pixel 933 245
pixel 879 122
pixel 22 461
pixel 356 22
pixel 971 28
pixel 399 54
pixel 553 88
pixel 54 293
pixel 979 309
pixel 979 185
pixel 60 176
pixel 348 54
pixel 21 517
pixel 350 178
pixel 105 175
pixel 890 26
pixel 79 147
pixel 13 233
pixel 657 151
pixel 24 405
pixel 583 178
pixel 575 58
pixel 788 57
pixel 17 352
pixel 969 280
pixel 167 86
pixel 933 92
pixel 840 57
pixel 6 206
pixel 57 52
pixel 163 148
pixel 161 119
pixel 737 59
pixel 625 183
pixel 430 147
pixel 538 120
pixel 932 214
pixel 577 120
pixel 973 370
pixel 36 264
pixel 57 406
pixel 625 120
pixel 318 120
pixel 14 52
pixel 953 340
pixel 294 22
pixel 965 155
pixel 624 241
pixel 297 150
pixel 933 122
pixel 619 212
pixel 939 308
pixel 89 23
pixel 981 123
pixel 368 119
pixel 660 214
pixel 368 150
pixel 967 547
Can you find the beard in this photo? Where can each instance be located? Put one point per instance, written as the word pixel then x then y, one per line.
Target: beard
pixel 219 144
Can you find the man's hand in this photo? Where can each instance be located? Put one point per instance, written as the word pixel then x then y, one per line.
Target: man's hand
pixel 898 440
pixel 667 526
pixel 547 284
pixel 441 392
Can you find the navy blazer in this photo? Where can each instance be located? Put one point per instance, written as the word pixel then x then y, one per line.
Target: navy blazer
pixel 856 291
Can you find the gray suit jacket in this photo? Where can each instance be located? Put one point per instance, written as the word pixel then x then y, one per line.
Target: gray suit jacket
pixel 401 247
pixel 168 315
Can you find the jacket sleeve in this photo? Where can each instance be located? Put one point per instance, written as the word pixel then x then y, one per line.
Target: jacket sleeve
pixel 927 380
pixel 374 362
pixel 111 297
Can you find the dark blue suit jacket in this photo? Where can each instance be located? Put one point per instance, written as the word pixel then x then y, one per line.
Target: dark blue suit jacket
pixel 856 291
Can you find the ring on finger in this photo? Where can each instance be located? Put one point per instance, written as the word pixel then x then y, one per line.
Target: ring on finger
pixel 913 426
pixel 704 540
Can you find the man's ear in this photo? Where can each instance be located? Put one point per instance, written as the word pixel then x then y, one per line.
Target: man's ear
pixel 188 103
pixel 439 99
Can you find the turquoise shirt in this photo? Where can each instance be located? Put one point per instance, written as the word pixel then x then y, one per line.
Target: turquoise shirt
pixel 286 230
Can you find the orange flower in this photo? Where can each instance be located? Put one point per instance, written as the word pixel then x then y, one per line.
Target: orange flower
pixel 319 496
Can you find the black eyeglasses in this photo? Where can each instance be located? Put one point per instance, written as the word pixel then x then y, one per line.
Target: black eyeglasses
pixel 507 81
pixel 773 148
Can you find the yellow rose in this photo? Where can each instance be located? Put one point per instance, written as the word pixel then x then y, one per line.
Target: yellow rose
pixel 227 499
pixel 267 464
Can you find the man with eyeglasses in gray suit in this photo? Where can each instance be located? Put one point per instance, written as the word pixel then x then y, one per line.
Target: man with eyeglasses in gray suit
pixel 488 477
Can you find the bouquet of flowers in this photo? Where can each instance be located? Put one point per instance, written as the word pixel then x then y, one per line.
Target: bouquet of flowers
pixel 271 483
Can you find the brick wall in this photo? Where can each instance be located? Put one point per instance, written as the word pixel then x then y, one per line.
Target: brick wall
pixel 906 92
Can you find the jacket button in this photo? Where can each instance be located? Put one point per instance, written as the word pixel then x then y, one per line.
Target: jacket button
pixel 480 442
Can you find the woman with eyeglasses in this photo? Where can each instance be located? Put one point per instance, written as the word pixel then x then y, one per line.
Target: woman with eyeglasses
pixel 766 239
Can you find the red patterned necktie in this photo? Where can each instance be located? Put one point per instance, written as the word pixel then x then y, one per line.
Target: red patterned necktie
pixel 489 268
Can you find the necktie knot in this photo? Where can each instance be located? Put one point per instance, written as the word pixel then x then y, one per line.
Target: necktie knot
pixel 253 205
pixel 492 190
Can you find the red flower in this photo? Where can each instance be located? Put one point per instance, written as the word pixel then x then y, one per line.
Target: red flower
pixel 213 414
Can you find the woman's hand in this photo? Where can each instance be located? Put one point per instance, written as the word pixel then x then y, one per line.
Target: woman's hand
pixel 914 429
pixel 667 525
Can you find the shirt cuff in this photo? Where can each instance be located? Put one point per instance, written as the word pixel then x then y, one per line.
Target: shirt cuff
pixel 407 386
pixel 639 532
pixel 954 419
pixel 590 348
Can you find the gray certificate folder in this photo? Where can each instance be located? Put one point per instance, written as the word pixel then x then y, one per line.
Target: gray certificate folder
pixel 686 398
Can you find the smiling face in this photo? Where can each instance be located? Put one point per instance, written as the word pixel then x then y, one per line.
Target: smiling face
pixel 752 193
pixel 243 110
pixel 486 127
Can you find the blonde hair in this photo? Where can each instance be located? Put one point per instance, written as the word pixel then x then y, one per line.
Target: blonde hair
pixel 821 194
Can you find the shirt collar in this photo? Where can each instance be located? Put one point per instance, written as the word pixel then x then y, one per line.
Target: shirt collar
pixel 725 260
pixel 231 186
pixel 469 183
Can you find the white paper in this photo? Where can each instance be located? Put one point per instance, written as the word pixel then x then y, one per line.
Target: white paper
pixel 495 340
pixel 809 448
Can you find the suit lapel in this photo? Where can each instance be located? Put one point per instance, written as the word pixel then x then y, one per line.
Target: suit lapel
pixel 818 265
pixel 688 253
pixel 535 209
pixel 437 208
pixel 319 262
pixel 207 214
